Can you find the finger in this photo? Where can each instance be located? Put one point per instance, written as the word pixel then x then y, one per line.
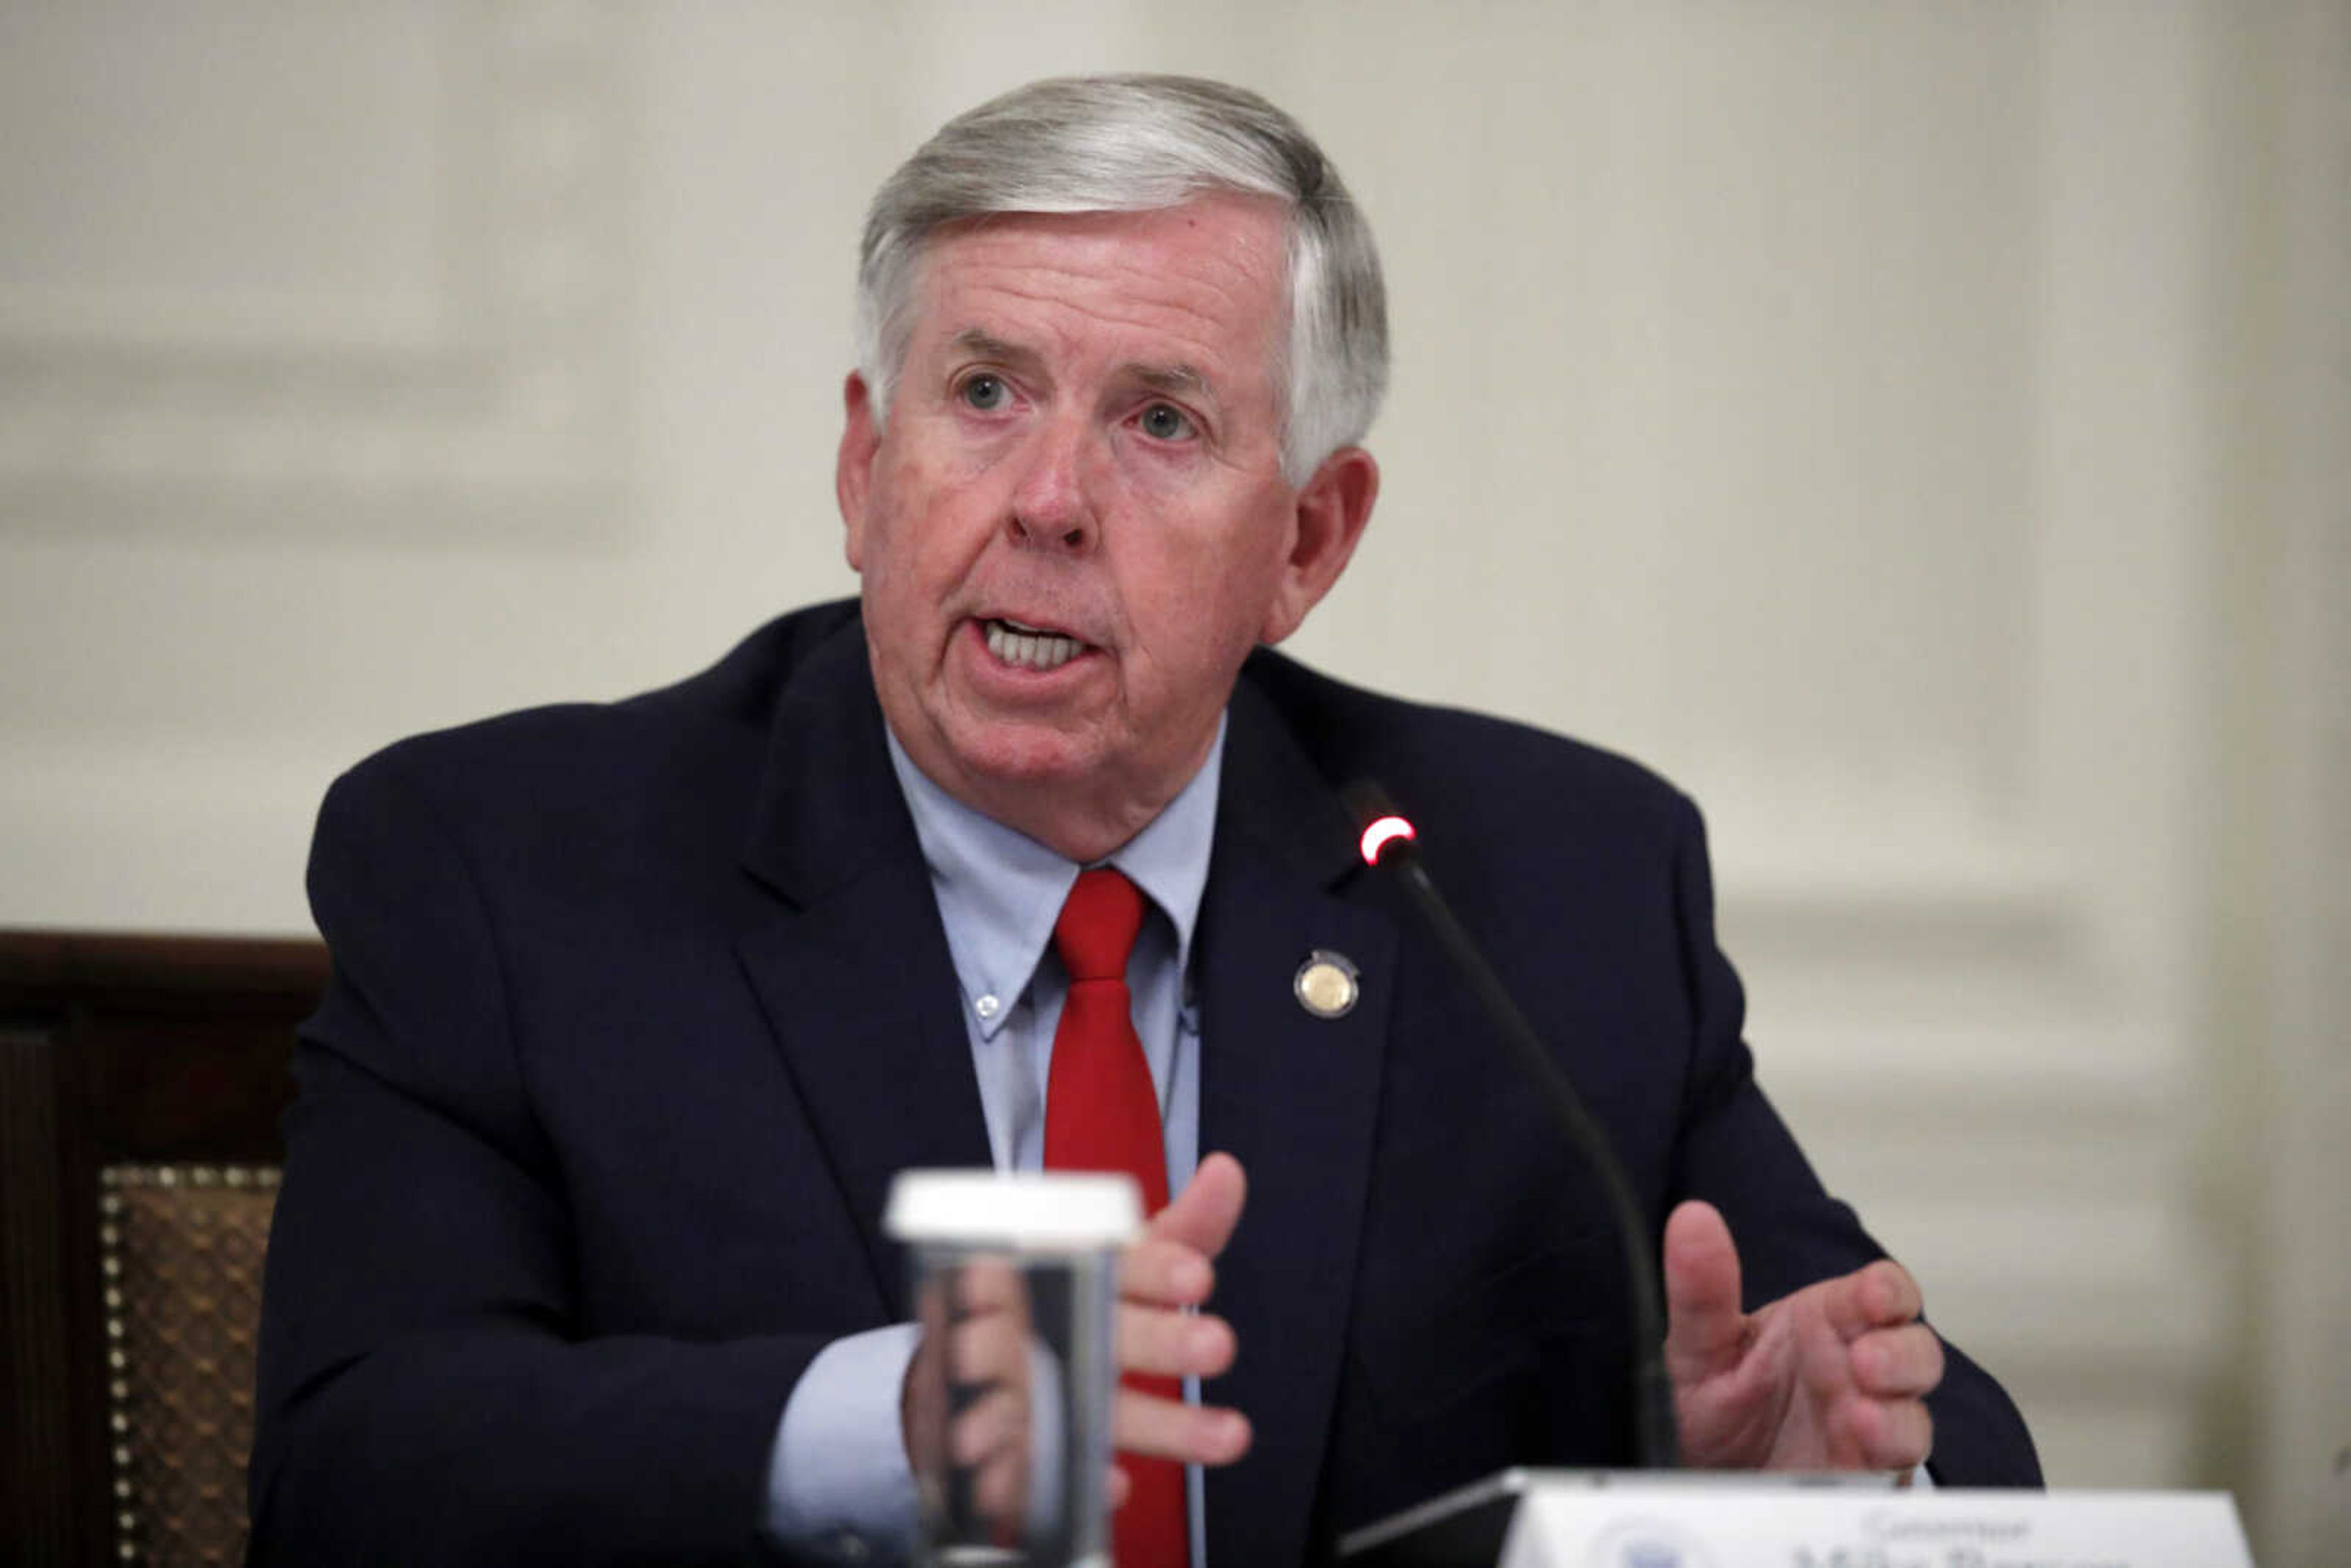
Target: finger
pixel 991 1349
pixel 988 1284
pixel 1000 1493
pixel 1204 1214
pixel 1170 1263
pixel 996 1424
pixel 1147 1425
pixel 1167 1272
pixel 1906 1362
pixel 1892 1434
pixel 1705 1327
pixel 1882 1295
pixel 1173 1344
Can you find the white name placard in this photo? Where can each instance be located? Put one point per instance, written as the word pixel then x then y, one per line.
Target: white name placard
pixel 1634 1524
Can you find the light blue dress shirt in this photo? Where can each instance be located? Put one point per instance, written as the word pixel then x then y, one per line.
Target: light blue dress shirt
pixel 839 1470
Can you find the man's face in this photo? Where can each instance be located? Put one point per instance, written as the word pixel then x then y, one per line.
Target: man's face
pixel 1076 524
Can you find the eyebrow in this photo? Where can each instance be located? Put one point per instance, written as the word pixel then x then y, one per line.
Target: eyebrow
pixel 972 340
pixel 1176 380
pixel 1181 381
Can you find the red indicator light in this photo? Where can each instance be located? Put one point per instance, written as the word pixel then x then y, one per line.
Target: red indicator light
pixel 1382 834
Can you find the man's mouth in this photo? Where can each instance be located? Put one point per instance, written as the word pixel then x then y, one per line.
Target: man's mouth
pixel 1030 647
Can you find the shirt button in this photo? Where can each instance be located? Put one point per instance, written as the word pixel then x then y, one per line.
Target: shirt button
pixel 988 1006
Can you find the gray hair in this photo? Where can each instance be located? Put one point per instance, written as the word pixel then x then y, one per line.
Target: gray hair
pixel 1140 143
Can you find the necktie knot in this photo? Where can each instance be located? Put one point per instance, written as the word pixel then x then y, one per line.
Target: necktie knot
pixel 1099 924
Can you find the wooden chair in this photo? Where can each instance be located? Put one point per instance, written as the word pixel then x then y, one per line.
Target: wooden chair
pixel 141 1079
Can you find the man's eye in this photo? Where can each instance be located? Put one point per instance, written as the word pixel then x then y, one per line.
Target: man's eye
pixel 1165 422
pixel 986 393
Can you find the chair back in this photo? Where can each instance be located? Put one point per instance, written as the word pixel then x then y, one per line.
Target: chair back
pixel 140 1083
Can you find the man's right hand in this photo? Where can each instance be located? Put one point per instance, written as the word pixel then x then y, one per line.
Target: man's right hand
pixel 1162 1276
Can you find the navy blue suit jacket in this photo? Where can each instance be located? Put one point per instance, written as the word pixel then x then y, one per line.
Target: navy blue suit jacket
pixel 638 1008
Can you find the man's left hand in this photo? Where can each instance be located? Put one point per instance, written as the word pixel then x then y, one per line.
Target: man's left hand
pixel 1832 1377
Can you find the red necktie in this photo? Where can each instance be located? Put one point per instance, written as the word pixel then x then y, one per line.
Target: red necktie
pixel 1103 1115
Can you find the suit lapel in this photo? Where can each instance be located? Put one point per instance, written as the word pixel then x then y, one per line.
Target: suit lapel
pixel 853 969
pixel 1294 1097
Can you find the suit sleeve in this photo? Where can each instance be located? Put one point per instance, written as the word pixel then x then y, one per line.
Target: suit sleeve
pixel 422 1397
pixel 1738 1155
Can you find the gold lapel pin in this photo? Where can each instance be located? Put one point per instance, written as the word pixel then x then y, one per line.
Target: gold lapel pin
pixel 1327 984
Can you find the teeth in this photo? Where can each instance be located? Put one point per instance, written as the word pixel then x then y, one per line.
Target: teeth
pixel 1031 649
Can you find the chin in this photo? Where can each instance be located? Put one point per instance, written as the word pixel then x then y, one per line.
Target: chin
pixel 1019 755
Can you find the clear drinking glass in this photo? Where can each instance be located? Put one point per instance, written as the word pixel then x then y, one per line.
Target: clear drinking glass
pixel 1008 1404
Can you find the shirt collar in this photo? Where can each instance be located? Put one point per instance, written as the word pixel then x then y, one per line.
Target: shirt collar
pixel 1000 891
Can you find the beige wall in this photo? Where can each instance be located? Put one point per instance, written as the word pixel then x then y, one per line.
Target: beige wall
pixel 1918 428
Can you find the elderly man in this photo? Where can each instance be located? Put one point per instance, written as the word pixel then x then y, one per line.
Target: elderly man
pixel 638 1008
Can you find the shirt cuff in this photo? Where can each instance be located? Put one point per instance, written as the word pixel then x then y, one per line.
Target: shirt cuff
pixel 839 1484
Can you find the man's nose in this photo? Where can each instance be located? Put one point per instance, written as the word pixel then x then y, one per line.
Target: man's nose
pixel 1052 505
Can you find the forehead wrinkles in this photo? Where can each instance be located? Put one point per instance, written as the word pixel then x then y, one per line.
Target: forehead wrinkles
pixel 1216 299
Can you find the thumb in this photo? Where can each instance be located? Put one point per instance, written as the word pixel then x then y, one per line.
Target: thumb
pixel 1705 1328
pixel 1202 1215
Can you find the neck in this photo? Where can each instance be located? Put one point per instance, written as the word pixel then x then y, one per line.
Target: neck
pixel 1083 824
pixel 1084 819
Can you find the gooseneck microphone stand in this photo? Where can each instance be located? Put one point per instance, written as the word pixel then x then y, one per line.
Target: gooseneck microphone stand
pixel 1388 841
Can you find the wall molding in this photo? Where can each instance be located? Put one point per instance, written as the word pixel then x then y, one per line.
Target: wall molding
pixel 2297 410
pixel 506 407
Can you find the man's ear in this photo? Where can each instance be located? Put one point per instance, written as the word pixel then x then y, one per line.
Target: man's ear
pixel 1329 517
pixel 853 470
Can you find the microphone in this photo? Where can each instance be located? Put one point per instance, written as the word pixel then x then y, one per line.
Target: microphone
pixel 1388 841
